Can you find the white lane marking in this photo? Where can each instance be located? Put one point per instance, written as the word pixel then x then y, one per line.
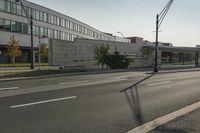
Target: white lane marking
pixel 10 88
pixel 166 87
pixel 159 83
pixel 74 82
pixel 40 102
pixel 92 83
pixel 149 126
pixel 127 76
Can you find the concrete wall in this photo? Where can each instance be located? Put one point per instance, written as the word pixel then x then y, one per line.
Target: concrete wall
pixel 81 52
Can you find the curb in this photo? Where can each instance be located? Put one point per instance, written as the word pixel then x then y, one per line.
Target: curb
pixel 96 72
pixel 61 75
pixel 174 71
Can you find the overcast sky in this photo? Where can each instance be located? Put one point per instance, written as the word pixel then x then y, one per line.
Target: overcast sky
pixel 136 17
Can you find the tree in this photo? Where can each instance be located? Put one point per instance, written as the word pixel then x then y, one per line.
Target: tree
pixel 13 49
pixel 117 61
pixel 101 54
pixel 44 51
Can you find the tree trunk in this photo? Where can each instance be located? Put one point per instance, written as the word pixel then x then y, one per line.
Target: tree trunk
pixel 13 59
pixel 102 66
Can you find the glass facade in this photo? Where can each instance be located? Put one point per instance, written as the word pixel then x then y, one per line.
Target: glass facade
pixel 19 27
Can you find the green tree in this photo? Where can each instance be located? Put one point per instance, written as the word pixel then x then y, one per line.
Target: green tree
pixel 101 54
pixel 44 52
pixel 117 61
pixel 13 48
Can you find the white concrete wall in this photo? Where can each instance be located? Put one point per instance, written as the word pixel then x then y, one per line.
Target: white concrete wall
pixel 81 52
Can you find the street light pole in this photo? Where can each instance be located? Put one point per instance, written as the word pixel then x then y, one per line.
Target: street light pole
pixel 39 56
pixel 32 48
pixel 30 21
pixel 159 19
pixel 121 34
pixel 156 48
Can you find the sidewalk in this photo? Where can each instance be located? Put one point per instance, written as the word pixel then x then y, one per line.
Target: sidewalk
pixel 190 123
pixel 9 74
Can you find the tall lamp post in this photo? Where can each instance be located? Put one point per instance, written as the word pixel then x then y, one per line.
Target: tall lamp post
pixel 30 21
pixel 121 34
pixel 159 19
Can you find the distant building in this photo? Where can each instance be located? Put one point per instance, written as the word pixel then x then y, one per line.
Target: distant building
pixel 136 39
pixel 197 46
pixel 164 44
pixel 46 22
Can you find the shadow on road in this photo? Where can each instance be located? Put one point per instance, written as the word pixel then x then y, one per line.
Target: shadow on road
pixel 133 99
pixel 165 129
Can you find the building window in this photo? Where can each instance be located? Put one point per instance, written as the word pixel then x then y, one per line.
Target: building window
pixel 67 36
pixel 41 16
pixel 13 8
pixel 19 9
pixel 55 20
pixel 67 24
pixel 37 13
pixel 71 25
pixel 58 21
pixel 27 11
pixel 7 25
pixel 13 26
pixel 16 27
pixel 2 24
pixel 59 34
pixel 8 6
pixel 50 33
pixel 37 30
pixel 45 32
pixel 45 17
pixel 72 39
pixel 63 24
pixel 49 18
pixel 83 29
pixel 62 36
pixel 24 28
pixel 3 5
pixel 74 26
pixel 41 31
pixel 55 34
pixel 33 13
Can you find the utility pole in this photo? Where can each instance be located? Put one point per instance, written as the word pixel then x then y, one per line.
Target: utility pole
pixel 156 48
pixel 30 21
pixel 39 55
pixel 159 19
pixel 32 48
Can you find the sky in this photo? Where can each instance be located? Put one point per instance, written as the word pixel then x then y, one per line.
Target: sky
pixel 181 26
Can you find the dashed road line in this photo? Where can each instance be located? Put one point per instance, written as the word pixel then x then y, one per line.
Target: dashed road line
pixel 160 83
pixel 85 83
pixel 74 82
pixel 41 102
pixel 10 88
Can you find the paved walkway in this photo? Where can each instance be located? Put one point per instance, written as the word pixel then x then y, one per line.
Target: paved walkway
pixel 189 123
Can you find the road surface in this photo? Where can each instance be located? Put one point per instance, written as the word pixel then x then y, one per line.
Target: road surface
pixel 93 103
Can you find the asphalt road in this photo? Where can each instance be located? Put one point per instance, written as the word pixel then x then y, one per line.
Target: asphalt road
pixel 93 103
